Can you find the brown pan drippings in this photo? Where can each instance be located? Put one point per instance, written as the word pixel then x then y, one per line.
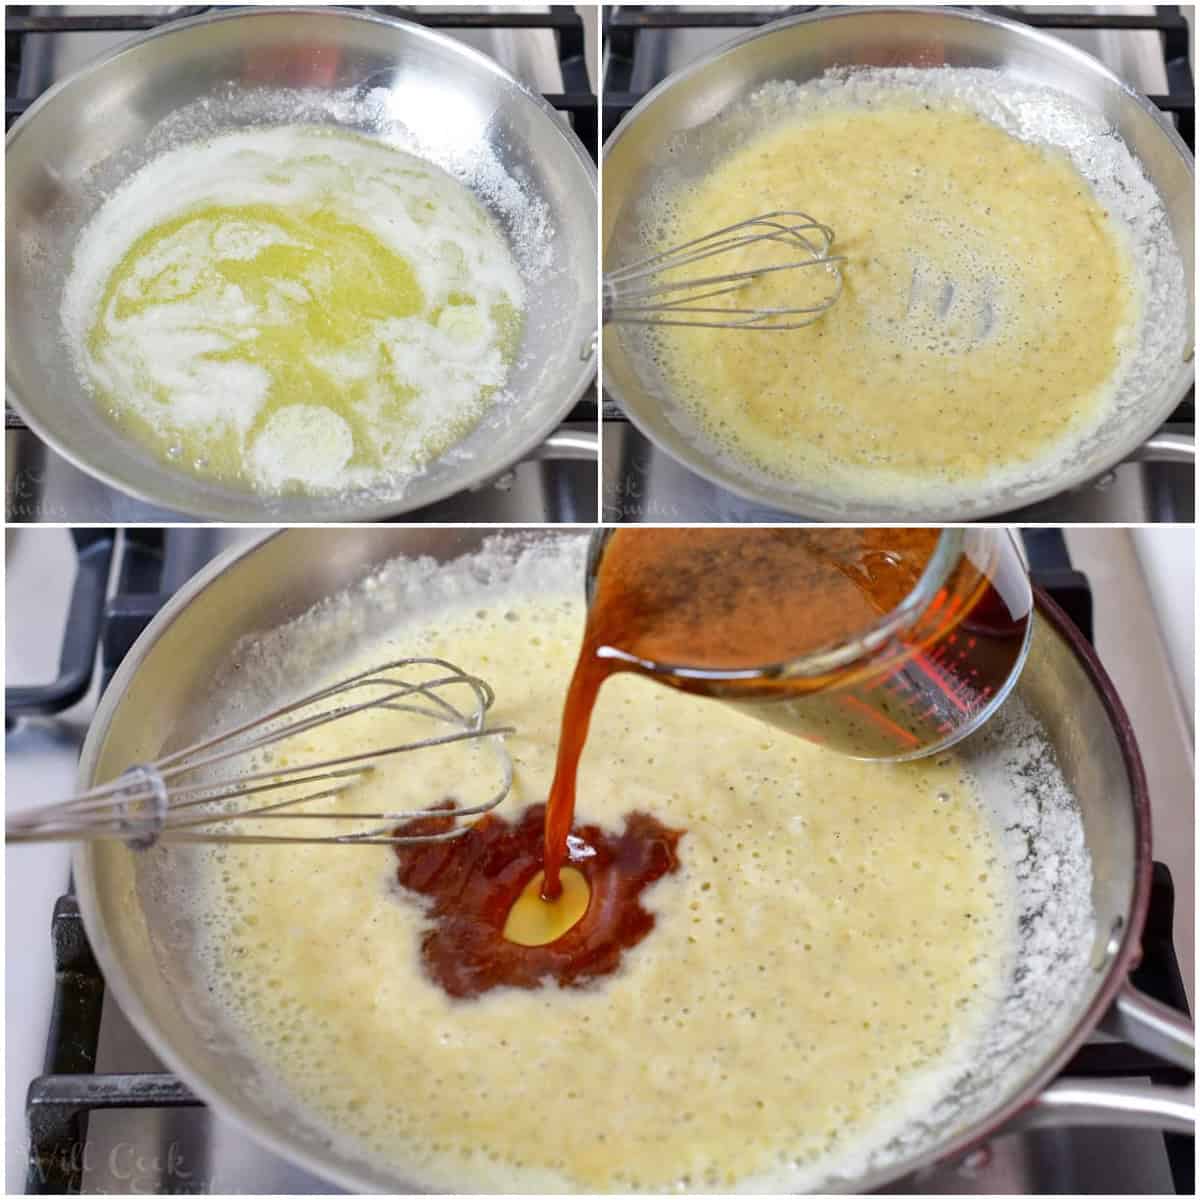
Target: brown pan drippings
pixel 473 882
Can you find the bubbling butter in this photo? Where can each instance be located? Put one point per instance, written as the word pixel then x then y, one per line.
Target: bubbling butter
pixel 294 309
pixel 822 963
pixel 989 310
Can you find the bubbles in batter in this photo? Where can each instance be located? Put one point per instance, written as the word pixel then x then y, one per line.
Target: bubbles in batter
pixel 294 309
pixel 828 949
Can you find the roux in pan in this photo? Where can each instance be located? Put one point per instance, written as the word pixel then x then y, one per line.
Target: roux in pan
pixel 824 953
pixel 989 300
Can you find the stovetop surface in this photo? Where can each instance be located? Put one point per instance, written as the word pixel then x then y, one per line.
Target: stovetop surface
pixel 645 44
pixel 188 1149
pixel 42 486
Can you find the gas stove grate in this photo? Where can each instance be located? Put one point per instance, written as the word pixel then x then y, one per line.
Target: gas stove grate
pixel 567 25
pixel 578 101
pixel 150 565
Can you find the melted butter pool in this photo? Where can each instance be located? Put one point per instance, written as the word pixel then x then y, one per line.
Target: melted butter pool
pixel 295 309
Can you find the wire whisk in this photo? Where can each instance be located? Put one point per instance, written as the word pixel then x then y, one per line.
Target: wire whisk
pixel 168 800
pixel 653 292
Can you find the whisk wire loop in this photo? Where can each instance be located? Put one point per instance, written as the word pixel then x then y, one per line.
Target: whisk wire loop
pixel 644 293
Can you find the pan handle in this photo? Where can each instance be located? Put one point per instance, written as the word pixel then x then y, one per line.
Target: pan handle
pixel 1112 1103
pixel 1153 1027
pixel 1165 448
pixel 567 443
pixel 1150 1026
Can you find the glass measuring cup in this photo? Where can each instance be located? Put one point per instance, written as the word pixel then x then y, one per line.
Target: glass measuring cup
pixel 920 678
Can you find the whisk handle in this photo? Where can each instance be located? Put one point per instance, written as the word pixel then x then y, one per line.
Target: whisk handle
pixel 133 809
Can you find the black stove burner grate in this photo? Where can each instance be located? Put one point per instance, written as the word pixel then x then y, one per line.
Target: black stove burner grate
pixel 151 565
pixel 562 20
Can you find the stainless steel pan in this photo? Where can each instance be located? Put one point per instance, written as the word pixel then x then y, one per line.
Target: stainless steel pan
pixel 802 48
pixel 84 137
pixel 142 938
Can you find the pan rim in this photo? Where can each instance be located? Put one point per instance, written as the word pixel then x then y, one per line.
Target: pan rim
pixel 702 463
pixel 1116 968
pixel 1121 961
pixel 233 506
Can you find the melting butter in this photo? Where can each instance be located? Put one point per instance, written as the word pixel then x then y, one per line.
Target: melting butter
pixel 312 311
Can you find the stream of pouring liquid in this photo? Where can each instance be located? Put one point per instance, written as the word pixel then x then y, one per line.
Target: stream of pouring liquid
pixel 590 672
pixel 644 586
pixel 710 597
pixel 722 598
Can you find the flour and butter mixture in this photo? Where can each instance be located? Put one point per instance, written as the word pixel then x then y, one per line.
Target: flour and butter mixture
pixel 294 309
pixel 821 963
pixel 990 302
